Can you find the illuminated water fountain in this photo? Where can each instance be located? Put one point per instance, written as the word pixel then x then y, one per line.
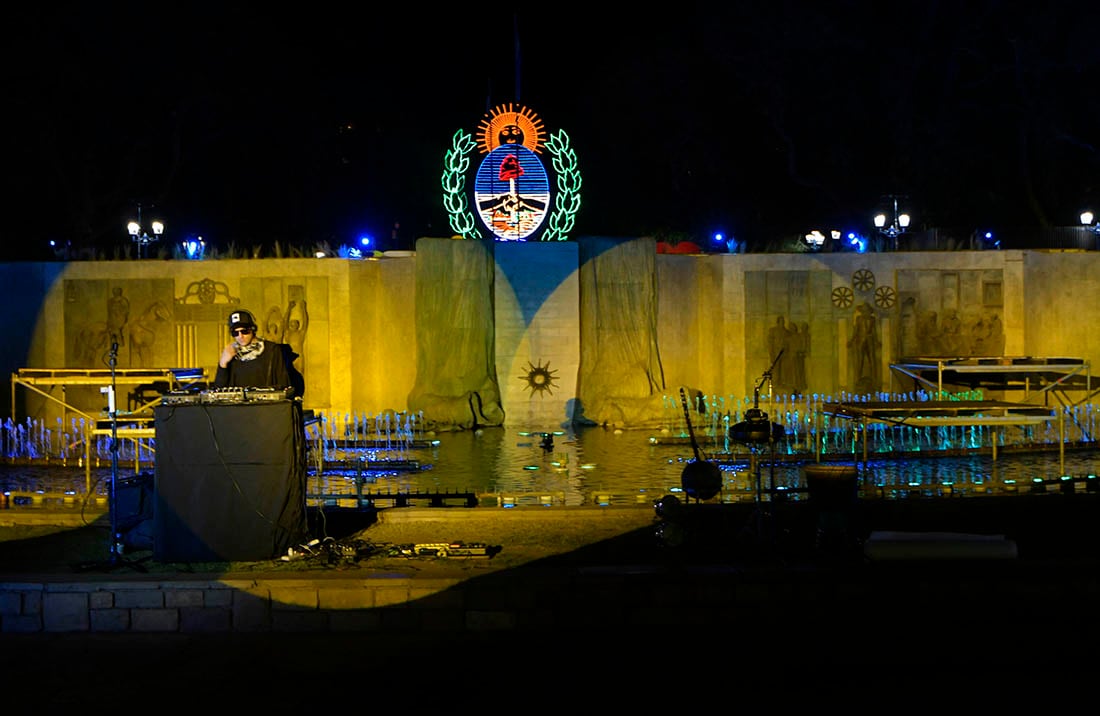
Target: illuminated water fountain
pixel 348 454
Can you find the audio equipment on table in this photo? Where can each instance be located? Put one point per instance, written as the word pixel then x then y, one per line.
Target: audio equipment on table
pixel 180 397
pixel 223 396
pixel 253 395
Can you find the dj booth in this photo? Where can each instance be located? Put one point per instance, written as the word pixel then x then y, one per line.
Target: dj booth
pixel 230 481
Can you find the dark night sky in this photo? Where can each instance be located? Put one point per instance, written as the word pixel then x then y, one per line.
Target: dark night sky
pixel 250 126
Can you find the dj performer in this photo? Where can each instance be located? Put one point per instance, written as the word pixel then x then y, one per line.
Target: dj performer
pixel 249 361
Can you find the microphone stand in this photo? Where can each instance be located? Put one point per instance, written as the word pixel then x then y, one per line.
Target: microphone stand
pixel 114 549
pixel 764 517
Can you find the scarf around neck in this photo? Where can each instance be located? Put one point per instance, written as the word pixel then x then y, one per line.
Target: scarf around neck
pixel 252 351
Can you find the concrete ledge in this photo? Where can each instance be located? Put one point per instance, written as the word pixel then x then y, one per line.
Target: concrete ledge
pixel 532 599
pixel 51 517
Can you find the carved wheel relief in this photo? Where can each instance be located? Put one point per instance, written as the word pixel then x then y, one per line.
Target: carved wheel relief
pixel 885 297
pixel 863 280
pixel 843 297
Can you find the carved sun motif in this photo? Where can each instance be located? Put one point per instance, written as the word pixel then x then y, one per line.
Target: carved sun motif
pixel 540 379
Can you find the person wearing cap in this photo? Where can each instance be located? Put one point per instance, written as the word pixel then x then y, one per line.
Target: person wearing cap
pixel 249 361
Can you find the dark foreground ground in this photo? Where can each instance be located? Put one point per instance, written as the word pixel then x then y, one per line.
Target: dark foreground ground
pixel 932 633
pixel 1045 529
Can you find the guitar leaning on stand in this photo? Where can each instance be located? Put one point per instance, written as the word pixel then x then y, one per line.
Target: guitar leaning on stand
pixel 700 478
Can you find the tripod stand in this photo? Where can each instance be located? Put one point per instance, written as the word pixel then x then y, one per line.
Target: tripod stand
pixel 115 546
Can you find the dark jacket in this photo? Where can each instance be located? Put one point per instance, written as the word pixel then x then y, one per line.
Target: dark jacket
pixel 274 368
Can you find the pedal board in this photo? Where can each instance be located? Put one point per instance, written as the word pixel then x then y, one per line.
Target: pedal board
pixel 446 549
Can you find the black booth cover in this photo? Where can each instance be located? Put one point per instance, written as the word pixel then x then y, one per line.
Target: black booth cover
pixel 230 481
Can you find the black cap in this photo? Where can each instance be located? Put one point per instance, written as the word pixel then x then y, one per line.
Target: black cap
pixel 241 319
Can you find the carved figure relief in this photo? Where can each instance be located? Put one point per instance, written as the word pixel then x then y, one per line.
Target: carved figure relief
pixel 864 348
pixel 118 313
pixel 143 334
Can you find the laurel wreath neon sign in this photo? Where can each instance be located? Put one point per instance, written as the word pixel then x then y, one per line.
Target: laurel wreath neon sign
pixel 511 133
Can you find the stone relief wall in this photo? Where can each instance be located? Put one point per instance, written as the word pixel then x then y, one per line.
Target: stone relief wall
pixel 839 320
pixel 150 327
pixel 136 314
pixel 956 313
pixel 863 322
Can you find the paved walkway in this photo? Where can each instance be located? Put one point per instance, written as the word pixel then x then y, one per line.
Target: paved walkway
pixel 772 635
pixel 1045 530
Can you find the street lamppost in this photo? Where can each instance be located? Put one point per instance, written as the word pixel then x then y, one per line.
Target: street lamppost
pixel 1088 221
pixel 897 225
pixel 139 234
pixel 815 239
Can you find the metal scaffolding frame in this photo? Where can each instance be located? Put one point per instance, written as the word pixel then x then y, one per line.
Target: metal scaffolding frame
pixel 1043 376
pixel 138 422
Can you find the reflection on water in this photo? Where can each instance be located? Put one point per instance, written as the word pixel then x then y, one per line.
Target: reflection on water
pixel 588 466
pixel 810 425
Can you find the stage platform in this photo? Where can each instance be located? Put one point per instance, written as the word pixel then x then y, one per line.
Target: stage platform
pixel 944 412
pixel 934 413
pixel 1028 374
